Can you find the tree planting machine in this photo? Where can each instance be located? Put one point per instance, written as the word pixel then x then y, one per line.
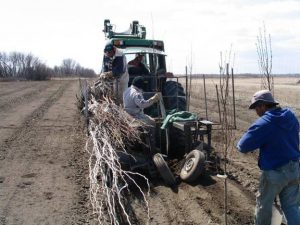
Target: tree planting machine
pixel 188 140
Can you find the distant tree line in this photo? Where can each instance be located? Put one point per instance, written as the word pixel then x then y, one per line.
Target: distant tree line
pixel 70 67
pixel 22 66
pixel 16 65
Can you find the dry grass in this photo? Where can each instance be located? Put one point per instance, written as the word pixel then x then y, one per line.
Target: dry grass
pixel 287 92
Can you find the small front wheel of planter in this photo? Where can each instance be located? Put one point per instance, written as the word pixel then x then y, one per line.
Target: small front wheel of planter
pixel 163 169
pixel 193 166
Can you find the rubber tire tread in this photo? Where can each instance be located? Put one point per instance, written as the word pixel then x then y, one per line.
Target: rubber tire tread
pixel 164 169
pixel 197 168
pixel 170 89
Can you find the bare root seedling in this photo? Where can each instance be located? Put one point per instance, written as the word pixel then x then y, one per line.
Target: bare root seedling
pixel 227 119
pixel 265 58
pixel 111 131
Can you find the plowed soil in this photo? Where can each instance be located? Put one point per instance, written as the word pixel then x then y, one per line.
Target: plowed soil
pixel 42 162
pixel 44 168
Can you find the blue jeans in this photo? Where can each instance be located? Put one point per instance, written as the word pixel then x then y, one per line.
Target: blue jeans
pixel 280 181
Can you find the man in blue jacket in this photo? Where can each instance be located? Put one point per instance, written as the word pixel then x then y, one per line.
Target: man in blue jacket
pixel 276 135
pixel 115 66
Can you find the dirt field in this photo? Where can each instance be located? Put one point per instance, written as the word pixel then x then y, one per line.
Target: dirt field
pixel 42 162
pixel 44 169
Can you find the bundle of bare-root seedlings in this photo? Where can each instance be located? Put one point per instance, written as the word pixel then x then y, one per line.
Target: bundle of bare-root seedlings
pixel 111 131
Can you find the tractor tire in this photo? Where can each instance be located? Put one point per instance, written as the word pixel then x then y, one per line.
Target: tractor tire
pixel 176 98
pixel 164 170
pixel 193 166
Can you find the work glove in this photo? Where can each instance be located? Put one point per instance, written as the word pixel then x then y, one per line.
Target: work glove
pixel 155 98
pixel 106 75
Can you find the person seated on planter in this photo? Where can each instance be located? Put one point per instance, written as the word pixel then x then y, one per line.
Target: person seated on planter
pixel 134 105
pixel 134 102
pixel 136 66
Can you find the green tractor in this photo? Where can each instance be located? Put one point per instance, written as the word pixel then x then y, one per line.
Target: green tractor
pixel 134 42
pixel 181 140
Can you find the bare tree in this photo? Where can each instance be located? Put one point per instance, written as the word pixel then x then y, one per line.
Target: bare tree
pixel 68 66
pixel 29 62
pixel 18 65
pixel 78 69
pixel 265 57
pixel 71 67
pixel 23 66
pixel 5 69
pixel 226 117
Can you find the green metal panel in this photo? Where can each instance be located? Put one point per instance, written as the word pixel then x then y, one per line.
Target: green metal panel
pixel 122 42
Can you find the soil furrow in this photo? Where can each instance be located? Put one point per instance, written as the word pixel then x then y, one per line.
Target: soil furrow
pixel 7 88
pixel 28 133
pixel 31 120
pixel 15 90
pixel 22 96
pixel 49 166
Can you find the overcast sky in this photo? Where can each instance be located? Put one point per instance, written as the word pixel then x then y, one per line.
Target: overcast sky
pixel 57 29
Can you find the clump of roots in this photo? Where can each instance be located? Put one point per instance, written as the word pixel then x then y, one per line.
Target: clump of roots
pixel 111 130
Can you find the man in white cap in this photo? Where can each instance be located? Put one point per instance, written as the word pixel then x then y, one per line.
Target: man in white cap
pixel 276 135
pixel 115 66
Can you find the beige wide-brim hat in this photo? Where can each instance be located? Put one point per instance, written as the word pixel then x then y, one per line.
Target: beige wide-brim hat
pixel 263 96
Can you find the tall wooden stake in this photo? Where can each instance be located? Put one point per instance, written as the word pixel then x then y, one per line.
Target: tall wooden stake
pixel 218 100
pixel 233 99
pixel 205 99
pixel 186 89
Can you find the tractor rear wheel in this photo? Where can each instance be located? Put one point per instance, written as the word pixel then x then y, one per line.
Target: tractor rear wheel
pixel 175 96
pixel 163 169
pixel 193 166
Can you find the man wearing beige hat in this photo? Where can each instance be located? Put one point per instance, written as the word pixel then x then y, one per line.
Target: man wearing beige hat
pixel 276 135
